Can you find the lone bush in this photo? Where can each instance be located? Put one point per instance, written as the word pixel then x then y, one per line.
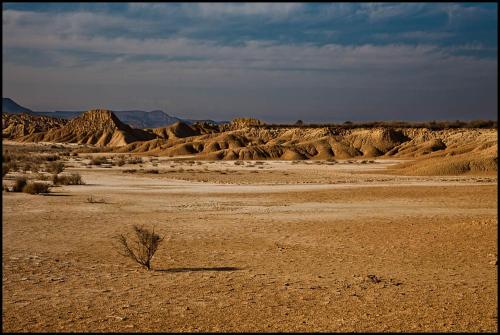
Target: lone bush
pixel 19 184
pixel 143 248
pixel 55 167
pixel 72 179
pixel 129 171
pixel 92 200
pixel 98 160
pixel 36 188
pixel 135 160
pixel 5 169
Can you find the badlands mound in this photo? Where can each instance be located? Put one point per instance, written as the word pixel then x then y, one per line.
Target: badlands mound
pixel 433 152
pixel 451 152
pixel 96 127
pixel 181 130
pixel 19 125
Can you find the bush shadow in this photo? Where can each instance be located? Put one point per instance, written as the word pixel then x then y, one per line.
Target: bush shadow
pixel 217 269
pixel 55 195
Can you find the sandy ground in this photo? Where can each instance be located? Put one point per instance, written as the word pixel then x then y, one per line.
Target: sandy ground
pixel 293 247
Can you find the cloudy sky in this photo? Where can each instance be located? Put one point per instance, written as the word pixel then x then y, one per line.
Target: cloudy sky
pixel 274 61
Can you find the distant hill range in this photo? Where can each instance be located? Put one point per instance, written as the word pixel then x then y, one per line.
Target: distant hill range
pixel 10 106
pixel 134 118
pixel 450 150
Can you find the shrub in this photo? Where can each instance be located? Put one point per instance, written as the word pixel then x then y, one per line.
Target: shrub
pixel 143 248
pixel 19 184
pixel 129 171
pixel 13 166
pixel 92 200
pixel 55 167
pixel 51 158
pixel 135 160
pixel 5 169
pixel 40 176
pixel 98 160
pixel 72 179
pixel 120 162
pixel 36 188
pixel 155 171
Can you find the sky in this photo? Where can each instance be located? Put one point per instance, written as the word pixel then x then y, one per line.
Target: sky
pixel 279 62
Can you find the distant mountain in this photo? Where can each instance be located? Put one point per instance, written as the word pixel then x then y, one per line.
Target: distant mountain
pixel 134 118
pixel 10 106
pixel 68 115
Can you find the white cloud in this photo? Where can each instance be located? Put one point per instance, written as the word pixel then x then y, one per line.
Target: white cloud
pixel 377 12
pixel 216 10
pixel 416 35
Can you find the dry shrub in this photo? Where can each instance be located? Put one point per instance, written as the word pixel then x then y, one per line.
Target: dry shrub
pixel 5 169
pixel 154 171
pixel 36 188
pixel 12 166
pixel 98 160
pixel 51 158
pixel 55 167
pixel 142 248
pixel 40 176
pixel 129 171
pixel 19 184
pixel 92 200
pixel 72 179
pixel 135 160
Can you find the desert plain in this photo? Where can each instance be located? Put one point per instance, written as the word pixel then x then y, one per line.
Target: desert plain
pixel 350 245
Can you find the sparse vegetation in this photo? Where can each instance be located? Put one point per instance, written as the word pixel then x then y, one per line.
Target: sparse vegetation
pixel 5 169
pixel 36 188
pixel 98 160
pixel 55 167
pixel 433 125
pixel 71 179
pixel 19 184
pixel 135 160
pixel 92 200
pixel 143 248
pixel 120 162
pixel 129 171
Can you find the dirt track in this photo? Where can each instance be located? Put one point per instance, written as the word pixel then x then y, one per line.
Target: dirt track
pixel 414 255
